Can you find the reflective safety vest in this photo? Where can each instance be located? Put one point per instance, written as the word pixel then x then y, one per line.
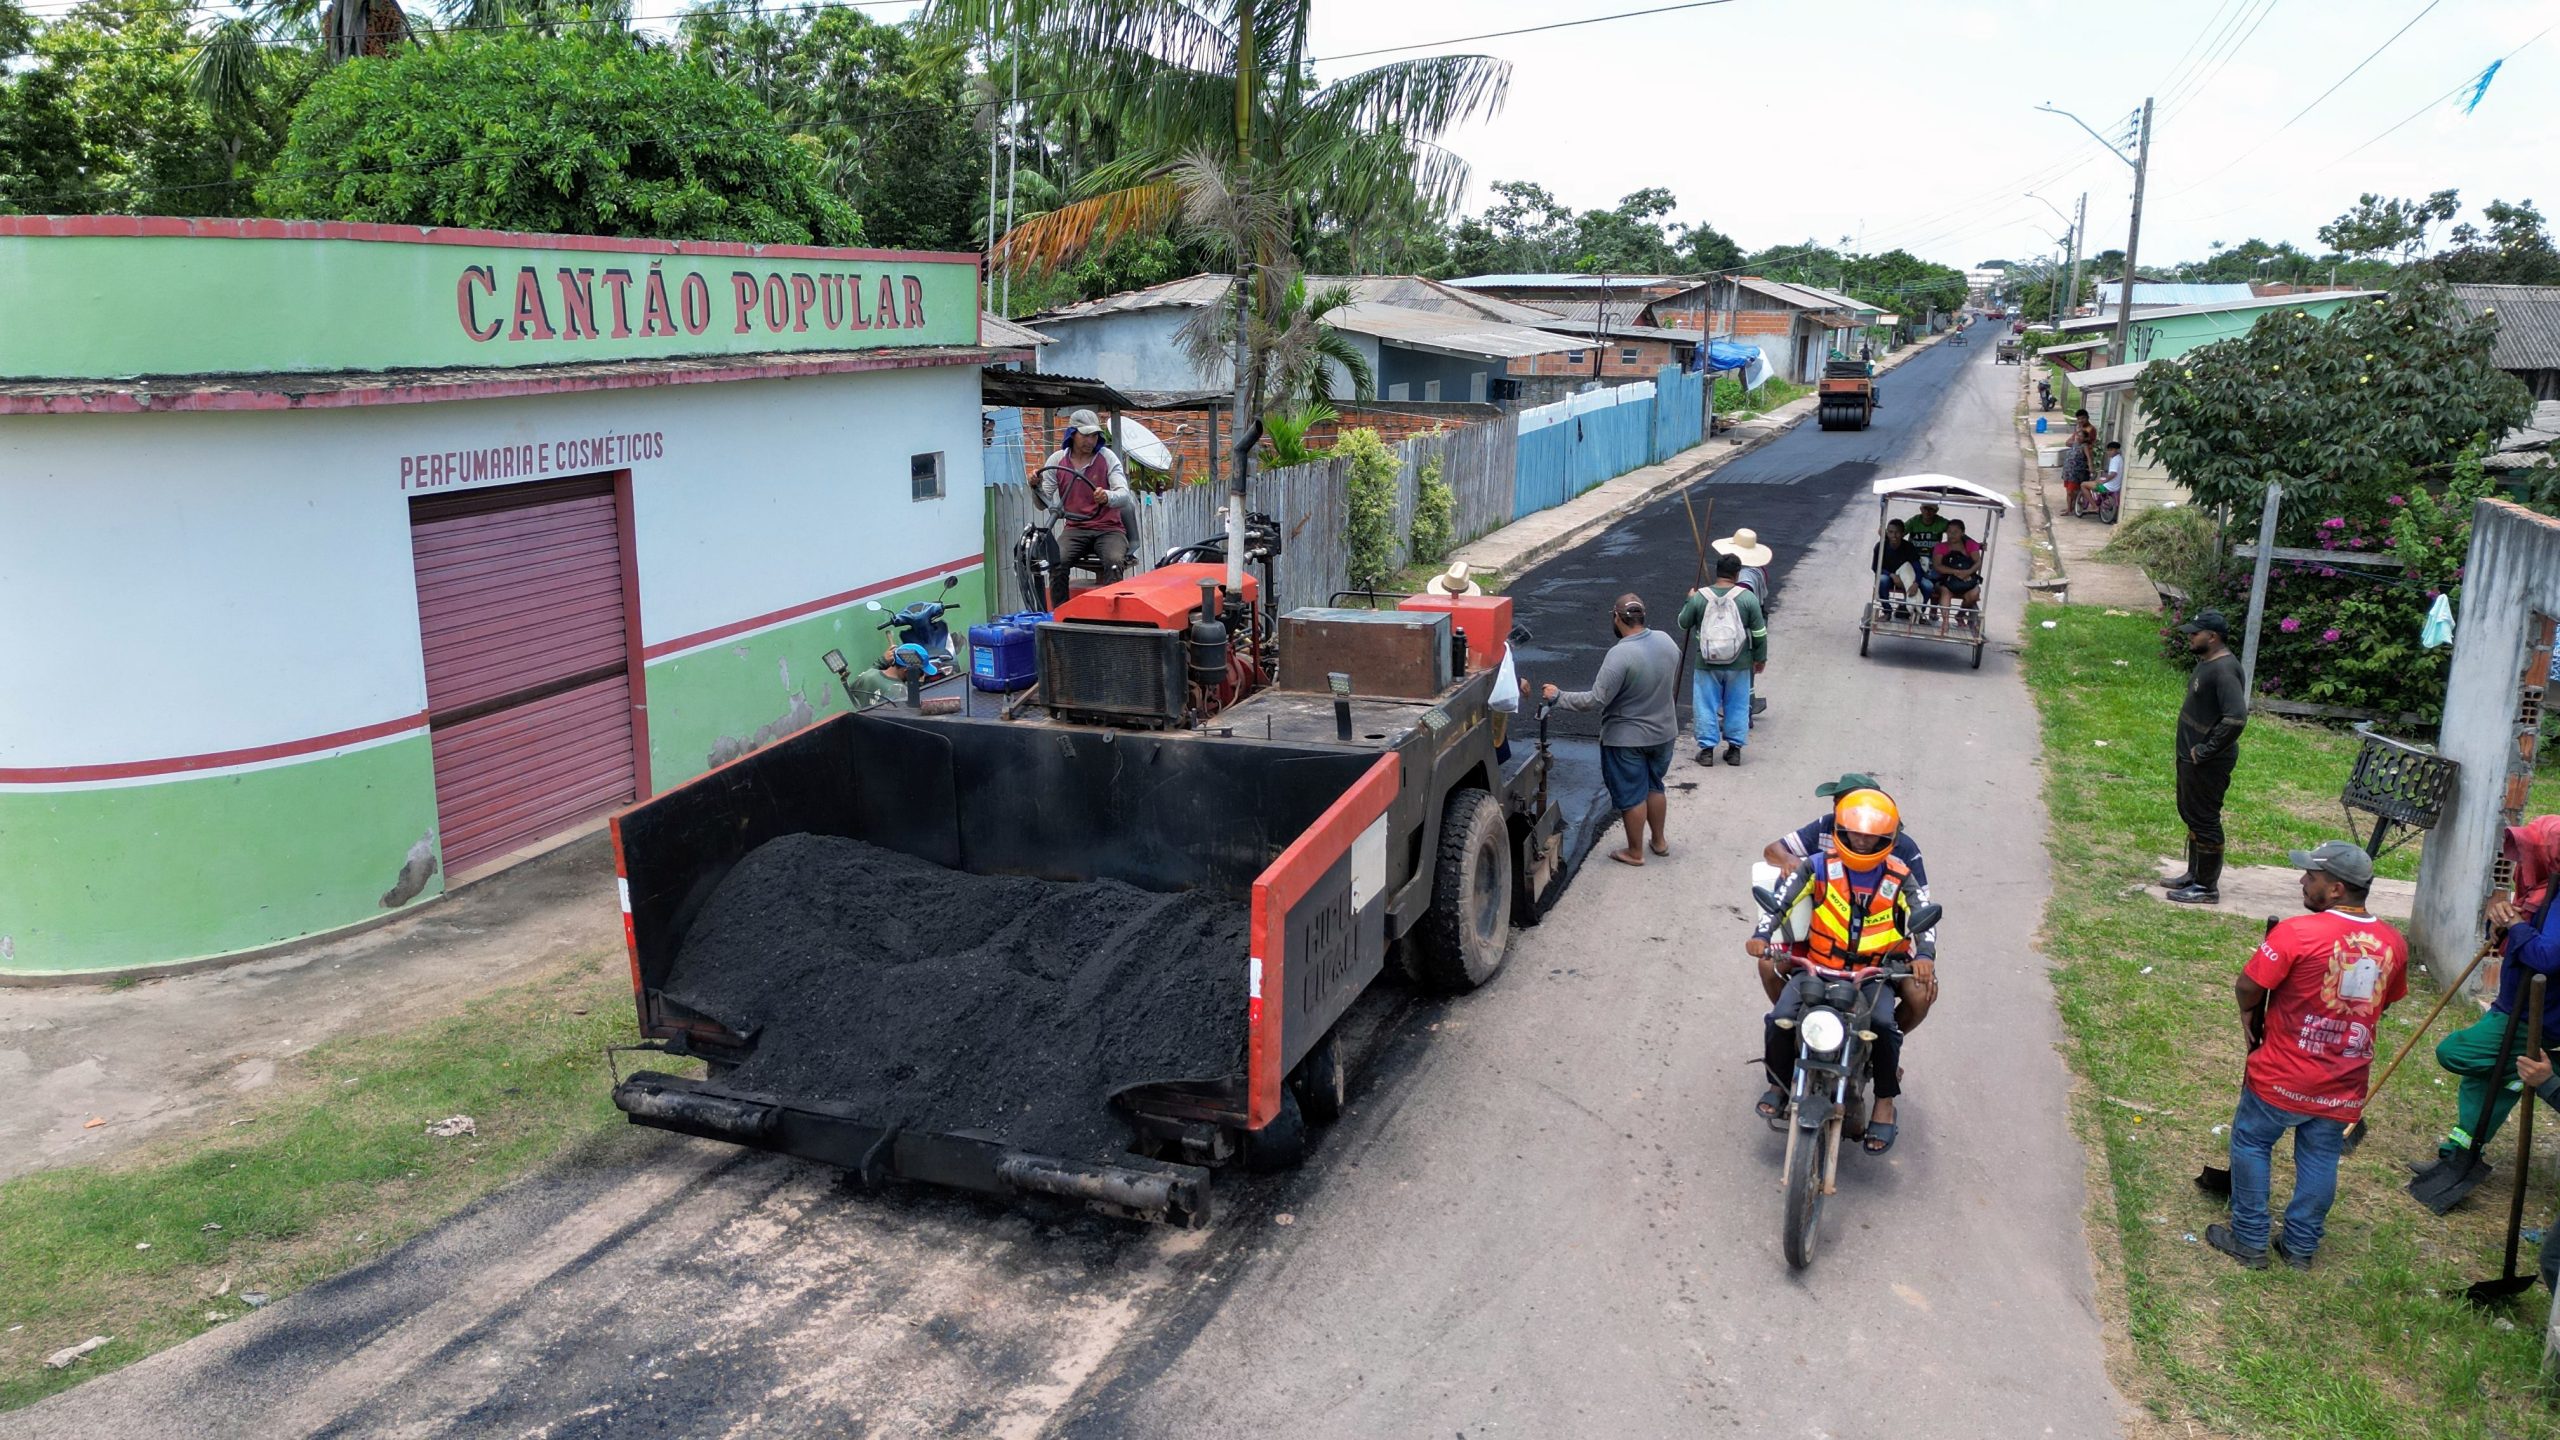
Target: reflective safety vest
pixel 1845 934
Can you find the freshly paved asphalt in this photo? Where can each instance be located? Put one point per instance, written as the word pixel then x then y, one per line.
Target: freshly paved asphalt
pixel 1548 1213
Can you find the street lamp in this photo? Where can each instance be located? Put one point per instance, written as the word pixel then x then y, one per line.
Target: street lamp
pixel 2140 160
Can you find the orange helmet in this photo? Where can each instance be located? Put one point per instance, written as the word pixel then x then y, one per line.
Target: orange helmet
pixel 1863 827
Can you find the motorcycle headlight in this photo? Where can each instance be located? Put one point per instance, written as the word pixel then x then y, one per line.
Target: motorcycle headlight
pixel 1822 1032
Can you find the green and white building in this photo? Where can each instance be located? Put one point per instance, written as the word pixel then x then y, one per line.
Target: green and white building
pixel 339 563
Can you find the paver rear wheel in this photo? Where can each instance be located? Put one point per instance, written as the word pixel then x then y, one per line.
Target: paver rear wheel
pixel 1468 926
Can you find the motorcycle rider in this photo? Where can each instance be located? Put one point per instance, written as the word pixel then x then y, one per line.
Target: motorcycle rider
pixel 1862 896
pixel 1790 852
pixel 1091 495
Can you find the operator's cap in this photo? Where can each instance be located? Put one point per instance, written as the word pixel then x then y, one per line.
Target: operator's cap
pixel 2337 858
pixel 2207 620
pixel 911 657
pixel 1084 422
pixel 1833 789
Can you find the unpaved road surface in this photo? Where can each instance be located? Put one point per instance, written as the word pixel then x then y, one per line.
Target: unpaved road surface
pixel 1550 1212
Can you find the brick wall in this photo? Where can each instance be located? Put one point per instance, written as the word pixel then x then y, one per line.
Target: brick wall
pixel 1651 355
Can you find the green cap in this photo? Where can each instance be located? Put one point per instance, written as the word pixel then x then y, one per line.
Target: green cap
pixel 1832 789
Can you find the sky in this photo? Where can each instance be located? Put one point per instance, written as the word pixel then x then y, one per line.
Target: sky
pixel 1913 124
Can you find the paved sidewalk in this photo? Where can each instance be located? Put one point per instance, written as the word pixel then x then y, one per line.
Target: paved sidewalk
pixel 2066 547
pixel 1532 538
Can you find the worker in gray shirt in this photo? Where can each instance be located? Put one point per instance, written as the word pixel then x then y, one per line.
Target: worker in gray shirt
pixel 1639 724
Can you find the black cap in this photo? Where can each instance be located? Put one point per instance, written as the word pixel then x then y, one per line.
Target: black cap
pixel 2207 620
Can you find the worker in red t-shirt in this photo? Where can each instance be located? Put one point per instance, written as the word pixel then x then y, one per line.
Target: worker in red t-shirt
pixel 2311 1000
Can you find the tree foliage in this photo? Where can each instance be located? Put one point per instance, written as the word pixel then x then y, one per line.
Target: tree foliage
pixel 2339 410
pixel 105 115
pixel 1369 531
pixel 575 134
pixel 889 112
pixel 2514 250
pixel 2393 227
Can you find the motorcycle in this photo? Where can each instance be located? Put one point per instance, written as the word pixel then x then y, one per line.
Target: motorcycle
pixel 2044 394
pixel 922 624
pixel 1827 1098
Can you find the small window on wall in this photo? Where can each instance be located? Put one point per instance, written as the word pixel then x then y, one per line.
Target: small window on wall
pixel 1573 357
pixel 1627 356
pixel 924 476
pixel 1430 389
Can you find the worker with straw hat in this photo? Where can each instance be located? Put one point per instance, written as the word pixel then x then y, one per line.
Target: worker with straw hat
pixel 1744 545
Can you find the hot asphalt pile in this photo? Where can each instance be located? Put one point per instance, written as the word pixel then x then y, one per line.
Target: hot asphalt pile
pixel 946 1001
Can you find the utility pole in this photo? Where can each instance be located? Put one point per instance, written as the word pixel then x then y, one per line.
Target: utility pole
pixel 2079 227
pixel 2133 238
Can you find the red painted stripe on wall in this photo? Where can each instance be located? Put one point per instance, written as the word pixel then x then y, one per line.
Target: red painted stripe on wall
pixel 288 749
pixel 665 648
pixel 182 764
pixel 275 392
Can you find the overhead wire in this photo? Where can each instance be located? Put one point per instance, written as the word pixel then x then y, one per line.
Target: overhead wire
pixel 2205 79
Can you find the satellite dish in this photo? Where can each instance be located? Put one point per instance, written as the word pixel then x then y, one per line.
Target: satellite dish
pixel 1139 446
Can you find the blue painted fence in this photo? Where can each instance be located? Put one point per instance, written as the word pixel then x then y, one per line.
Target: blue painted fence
pixel 1578 442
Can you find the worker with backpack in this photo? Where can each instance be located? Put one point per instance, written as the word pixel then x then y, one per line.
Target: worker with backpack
pixel 1733 646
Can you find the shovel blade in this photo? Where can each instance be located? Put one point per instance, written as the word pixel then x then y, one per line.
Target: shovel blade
pixel 2354 1138
pixel 2498 1292
pixel 2214 1180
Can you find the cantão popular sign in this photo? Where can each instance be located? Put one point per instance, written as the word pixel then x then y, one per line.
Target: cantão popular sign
pixel 111 297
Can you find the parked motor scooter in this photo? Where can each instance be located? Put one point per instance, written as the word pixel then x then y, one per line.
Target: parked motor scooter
pixel 922 624
pixel 2044 394
pixel 1827 1096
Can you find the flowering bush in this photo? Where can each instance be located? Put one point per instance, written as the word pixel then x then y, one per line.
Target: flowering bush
pixel 2347 635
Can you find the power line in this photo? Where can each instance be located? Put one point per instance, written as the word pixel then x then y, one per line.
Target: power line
pixel 2269 137
pixel 2179 67
pixel 2217 49
pixel 1523 30
pixel 2206 78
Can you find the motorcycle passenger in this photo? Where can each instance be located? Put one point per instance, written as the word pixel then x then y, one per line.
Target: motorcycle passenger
pixel 886 682
pixel 1862 902
pixel 1091 497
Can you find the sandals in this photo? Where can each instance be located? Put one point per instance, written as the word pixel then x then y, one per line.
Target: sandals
pixel 1773 1108
pixel 1880 1136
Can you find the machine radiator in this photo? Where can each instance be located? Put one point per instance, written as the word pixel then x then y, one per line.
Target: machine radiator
pixel 1124 674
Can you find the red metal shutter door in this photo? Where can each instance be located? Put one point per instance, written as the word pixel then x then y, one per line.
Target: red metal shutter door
pixel 528 691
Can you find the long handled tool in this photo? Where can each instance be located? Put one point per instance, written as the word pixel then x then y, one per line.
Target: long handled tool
pixel 2452 1178
pixel 2214 1179
pixel 2509 1284
pixel 2355 1132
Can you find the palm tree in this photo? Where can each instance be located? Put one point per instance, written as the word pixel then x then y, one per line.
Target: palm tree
pixel 1224 130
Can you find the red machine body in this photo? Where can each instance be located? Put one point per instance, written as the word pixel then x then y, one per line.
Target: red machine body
pixel 1484 619
pixel 1163 598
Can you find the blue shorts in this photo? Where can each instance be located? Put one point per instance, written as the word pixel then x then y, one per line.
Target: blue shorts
pixel 1634 771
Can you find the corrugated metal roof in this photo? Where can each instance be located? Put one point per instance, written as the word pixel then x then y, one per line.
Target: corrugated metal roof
pixel 1573 281
pixel 1583 312
pixel 1417 293
pixel 994 329
pixel 2254 302
pixel 2164 293
pixel 2110 377
pixel 1189 293
pixel 1453 334
pixel 2528 323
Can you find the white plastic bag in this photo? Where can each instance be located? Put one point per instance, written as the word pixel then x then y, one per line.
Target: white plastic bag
pixel 1506 686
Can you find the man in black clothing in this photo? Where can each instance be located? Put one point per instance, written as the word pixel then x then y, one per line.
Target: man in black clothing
pixel 2209 727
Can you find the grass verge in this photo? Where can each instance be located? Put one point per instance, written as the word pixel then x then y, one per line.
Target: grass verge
pixel 331 1166
pixel 1734 403
pixel 2374 1342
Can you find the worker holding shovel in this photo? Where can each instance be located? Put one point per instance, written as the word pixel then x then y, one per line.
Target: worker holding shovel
pixel 2484 1053
pixel 2311 1000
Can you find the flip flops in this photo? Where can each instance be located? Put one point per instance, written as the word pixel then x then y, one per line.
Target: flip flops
pixel 1773 1108
pixel 1881 1135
